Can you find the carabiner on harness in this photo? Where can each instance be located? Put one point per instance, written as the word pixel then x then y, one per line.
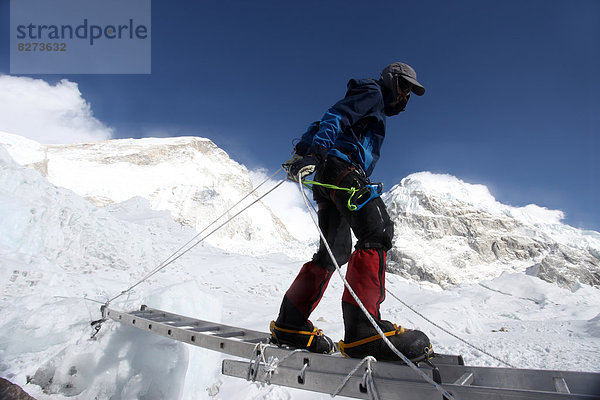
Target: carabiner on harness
pixel 362 196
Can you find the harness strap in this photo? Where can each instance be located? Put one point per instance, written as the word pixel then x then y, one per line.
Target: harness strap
pixel 315 332
pixel 372 189
pixel 398 331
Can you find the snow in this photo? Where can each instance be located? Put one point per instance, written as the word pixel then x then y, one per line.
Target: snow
pixel 455 190
pixel 59 254
pixel 288 206
pixel 182 175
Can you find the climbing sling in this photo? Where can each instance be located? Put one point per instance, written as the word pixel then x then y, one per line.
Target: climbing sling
pixel 358 197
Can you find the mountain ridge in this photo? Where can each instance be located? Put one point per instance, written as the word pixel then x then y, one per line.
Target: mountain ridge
pixel 450 232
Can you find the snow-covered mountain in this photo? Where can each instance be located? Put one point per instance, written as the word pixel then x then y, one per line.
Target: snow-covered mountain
pixel 451 232
pixel 61 254
pixel 190 177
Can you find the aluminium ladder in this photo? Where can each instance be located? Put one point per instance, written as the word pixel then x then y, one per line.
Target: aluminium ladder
pixel 325 373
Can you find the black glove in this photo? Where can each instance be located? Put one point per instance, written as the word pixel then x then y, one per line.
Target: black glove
pixel 299 167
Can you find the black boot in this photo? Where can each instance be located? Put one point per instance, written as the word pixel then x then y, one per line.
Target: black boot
pixel 366 276
pixel 363 340
pixel 306 337
pixel 292 327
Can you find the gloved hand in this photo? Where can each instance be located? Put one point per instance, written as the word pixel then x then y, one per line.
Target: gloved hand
pixel 299 167
pixel 292 160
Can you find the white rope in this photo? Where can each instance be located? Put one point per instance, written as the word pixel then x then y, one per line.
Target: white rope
pixel 369 383
pixel 173 257
pixel 368 360
pixel 270 366
pixel 273 363
pixel 364 310
pixel 255 361
pixel 450 333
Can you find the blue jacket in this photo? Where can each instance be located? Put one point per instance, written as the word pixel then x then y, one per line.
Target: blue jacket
pixel 353 129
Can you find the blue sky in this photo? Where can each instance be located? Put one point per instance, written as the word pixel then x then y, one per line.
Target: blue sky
pixel 512 96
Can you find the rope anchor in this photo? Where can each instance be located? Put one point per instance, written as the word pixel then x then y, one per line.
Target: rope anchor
pixel 97 324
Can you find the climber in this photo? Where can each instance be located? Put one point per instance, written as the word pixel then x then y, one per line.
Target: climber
pixel 343 148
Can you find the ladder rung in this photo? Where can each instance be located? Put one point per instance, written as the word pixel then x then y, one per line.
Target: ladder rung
pixel 166 320
pixel 465 379
pixel 205 328
pixel 182 324
pixel 561 385
pixel 230 334
pixel 139 313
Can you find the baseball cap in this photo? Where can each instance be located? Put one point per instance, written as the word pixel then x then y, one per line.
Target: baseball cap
pixel 406 72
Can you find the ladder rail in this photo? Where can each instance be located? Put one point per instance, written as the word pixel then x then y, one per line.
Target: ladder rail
pixel 526 379
pixel 246 345
pixel 231 346
pixel 387 388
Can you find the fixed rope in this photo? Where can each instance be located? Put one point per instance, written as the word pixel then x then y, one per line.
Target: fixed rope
pixel 438 387
pixel 175 256
pixel 450 333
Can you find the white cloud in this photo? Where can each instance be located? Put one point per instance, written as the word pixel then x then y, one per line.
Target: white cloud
pixel 286 202
pixel 48 114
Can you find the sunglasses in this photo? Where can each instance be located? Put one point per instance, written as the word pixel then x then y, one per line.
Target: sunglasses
pixel 404 86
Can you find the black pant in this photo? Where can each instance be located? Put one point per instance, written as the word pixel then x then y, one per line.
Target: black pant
pixel 371 224
pixel 374 231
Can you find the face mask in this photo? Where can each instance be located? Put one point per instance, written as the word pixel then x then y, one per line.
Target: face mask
pixel 395 108
pixel 395 101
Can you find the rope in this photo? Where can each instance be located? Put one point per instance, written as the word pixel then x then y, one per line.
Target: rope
pixel 273 363
pixel 450 333
pixel 364 310
pixel 352 191
pixel 173 257
pixel 374 190
pixel 367 381
pixel 269 366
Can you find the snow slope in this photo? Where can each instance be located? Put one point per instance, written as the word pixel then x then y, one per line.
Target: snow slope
pixel 56 249
pixel 190 177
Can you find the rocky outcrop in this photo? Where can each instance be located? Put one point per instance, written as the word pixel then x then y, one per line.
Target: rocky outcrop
pixel 565 266
pixel 10 391
pixel 450 232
